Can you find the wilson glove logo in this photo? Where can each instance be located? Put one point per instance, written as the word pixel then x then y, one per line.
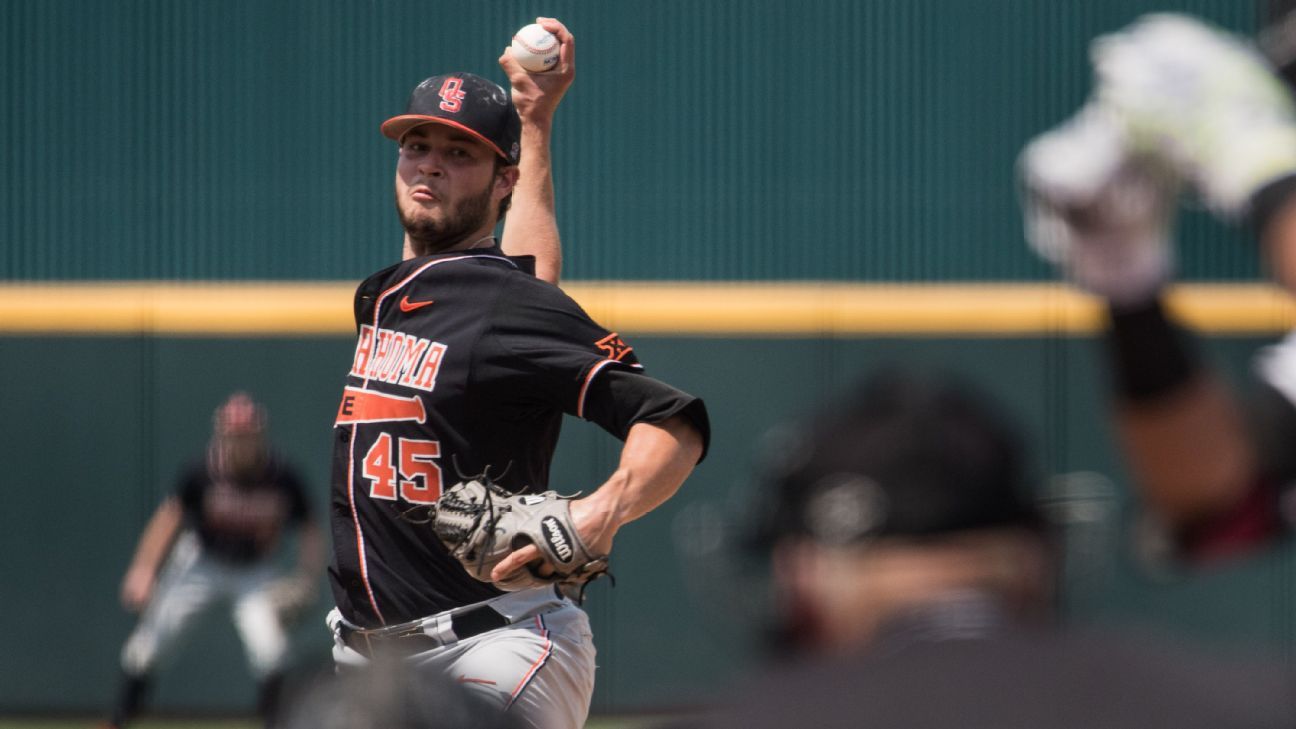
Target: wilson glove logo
pixel 559 540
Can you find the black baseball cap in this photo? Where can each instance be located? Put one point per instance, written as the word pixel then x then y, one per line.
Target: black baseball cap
pixel 904 454
pixel 464 101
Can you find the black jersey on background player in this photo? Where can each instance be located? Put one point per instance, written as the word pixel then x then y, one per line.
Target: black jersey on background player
pixel 464 362
pixel 241 520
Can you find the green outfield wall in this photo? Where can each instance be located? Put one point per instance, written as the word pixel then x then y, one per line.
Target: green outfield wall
pixel 726 139
pixel 96 427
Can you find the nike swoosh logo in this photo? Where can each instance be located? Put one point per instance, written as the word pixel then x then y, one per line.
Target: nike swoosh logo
pixel 465 679
pixel 407 306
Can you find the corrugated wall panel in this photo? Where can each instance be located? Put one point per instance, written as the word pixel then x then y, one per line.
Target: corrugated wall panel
pixel 733 139
pixel 88 461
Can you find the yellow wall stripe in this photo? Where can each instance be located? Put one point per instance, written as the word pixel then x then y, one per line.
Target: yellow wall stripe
pixel 685 308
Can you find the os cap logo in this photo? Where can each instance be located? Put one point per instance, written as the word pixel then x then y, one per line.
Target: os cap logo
pixel 452 94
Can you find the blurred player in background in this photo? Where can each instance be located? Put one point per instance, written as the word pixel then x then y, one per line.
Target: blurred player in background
pixel 915 584
pixel 1178 104
pixel 218 533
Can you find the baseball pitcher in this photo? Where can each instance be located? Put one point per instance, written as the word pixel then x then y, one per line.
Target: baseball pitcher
pixel 466 360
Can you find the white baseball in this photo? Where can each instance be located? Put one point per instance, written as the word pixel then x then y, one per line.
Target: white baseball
pixel 535 48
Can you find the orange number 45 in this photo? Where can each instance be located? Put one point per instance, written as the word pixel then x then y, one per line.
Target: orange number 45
pixel 420 476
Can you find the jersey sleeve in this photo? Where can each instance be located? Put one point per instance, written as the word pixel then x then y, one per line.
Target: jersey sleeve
pixel 618 399
pixel 545 349
pixel 540 336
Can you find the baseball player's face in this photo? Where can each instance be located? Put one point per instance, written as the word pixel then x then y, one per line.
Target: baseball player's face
pixel 240 453
pixel 447 190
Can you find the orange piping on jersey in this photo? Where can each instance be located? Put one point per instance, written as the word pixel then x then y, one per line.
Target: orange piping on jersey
pixel 355 517
pixel 580 401
pixel 535 667
pixel 418 271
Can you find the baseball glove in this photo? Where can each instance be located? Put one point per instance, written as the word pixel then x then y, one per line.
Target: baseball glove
pixel 481 523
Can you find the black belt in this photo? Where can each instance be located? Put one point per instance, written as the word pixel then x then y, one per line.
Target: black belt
pixel 465 625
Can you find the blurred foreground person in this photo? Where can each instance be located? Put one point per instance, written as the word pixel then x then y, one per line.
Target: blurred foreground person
pixel 214 541
pixel 391 694
pixel 1178 104
pixel 916 584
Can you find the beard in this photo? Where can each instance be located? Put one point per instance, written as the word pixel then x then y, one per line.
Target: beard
pixel 428 235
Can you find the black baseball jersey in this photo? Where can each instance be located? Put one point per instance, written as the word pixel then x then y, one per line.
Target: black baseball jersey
pixel 464 362
pixel 241 521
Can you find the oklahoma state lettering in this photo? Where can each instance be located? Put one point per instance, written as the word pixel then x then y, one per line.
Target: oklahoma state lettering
pixel 397 358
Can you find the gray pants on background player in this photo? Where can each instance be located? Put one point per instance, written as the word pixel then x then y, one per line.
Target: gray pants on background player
pixel 190 584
